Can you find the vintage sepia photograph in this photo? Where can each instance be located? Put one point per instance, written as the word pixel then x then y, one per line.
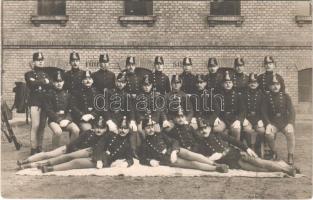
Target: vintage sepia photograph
pixel 156 99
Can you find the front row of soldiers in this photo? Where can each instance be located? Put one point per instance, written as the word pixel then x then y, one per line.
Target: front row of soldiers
pixel 190 130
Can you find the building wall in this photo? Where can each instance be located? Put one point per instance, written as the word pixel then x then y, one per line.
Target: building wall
pixel 181 29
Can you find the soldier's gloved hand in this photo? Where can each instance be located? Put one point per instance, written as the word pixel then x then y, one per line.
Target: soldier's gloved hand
pixel 157 128
pixel 85 118
pixel 236 124
pixel 245 122
pixel 193 123
pixel 166 124
pixel 112 126
pixel 289 128
pixel 269 129
pixel 120 163
pixel 99 164
pixel 154 163
pixel 217 121
pixel 64 123
pixel 174 156
pixel 133 126
pixel 32 79
pixel 260 123
pixel 47 81
pixel 252 153
pixel 216 156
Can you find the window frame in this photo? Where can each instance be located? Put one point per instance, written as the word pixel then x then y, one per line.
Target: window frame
pixel 41 8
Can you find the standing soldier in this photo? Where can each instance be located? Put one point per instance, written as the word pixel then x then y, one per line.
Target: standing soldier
pixel 103 78
pixel 239 77
pixel 187 77
pixel 279 115
pixel 83 103
pixel 38 82
pixel 161 82
pixel 215 75
pixel 232 109
pixel 266 78
pixel 73 78
pixel 253 125
pixel 58 108
pixel 177 98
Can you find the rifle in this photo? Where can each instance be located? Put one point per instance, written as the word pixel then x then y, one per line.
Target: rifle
pixel 11 137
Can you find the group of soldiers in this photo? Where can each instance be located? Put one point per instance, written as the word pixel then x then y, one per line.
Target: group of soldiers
pixel 224 107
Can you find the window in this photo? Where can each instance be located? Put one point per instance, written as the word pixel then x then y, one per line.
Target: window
pixel 51 7
pixel 138 7
pixel 303 13
pixel 225 7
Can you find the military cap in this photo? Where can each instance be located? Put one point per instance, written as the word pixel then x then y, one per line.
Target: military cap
pixel 146 80
pixel 212 62
pixel 38 56
pixel 121 77
pixel 176 79
pixel 201 122
pixel 130 60
pixel 148 122
pixel 239 62
pixel 274 79
pixel 252 78
pixel 87 74
pixel 187 61
pixel 58 76
pixel 100 123
pixel 227 76
pixel 200 78
pixel 74 56
pixel 268 59
pixel 159 60
pixel 104 58
pixel 124 123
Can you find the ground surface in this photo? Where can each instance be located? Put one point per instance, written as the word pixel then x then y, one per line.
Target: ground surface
pixel 14 186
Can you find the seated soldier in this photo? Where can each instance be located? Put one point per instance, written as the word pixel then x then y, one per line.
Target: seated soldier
pixel 57 105
pixel 82 101
pixel 111 150
pixel 279 116
pixel 232 108
pixel 225 149
pixel 159 149
pixel 253 125
pixel 85 140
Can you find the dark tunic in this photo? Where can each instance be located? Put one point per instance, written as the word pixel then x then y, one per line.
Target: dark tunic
pixel 214 80
pixel 134 81
pixel 35 81
pixel 57 105
pixel 85 140
pixel 253 101
pixel 112 147
pixel 161 82
pixel 189 82
pixel 278 110
pixel 158 147
pixel 73 79
pixel 185 135
pixel 103 79
pixel 172 104
pixel 221 143
pixel 240 81
pixel 233 108
pixel 265 81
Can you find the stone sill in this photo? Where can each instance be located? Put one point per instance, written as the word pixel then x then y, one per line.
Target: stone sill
pixel 214 20
pixel 300 20
pixel 40 19
pixel 129 19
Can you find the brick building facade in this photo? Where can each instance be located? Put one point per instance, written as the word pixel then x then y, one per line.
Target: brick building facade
pixel 174 29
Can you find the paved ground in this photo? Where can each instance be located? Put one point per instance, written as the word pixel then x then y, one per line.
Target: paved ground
pixel 14 186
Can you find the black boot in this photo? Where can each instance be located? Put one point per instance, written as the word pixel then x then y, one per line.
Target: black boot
pixel 274 155
pixel 21 162
pixel 222 168
pixel 39 149
pixel 46 169
pixel 41 165
pixel 290 158
pixel 33 151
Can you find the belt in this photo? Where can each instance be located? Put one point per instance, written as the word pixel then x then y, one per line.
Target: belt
pixel 40 90
pixel 278 114
pixel 60 112
pixel 228 113
pixel 252 113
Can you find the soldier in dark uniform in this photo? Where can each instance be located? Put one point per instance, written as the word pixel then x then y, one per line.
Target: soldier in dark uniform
pixel 205 105
pixel 38 82
pixel 85 140
pixel 73 77
pixel 279 116
pixel 84 109
pixel 188 79
pixel 148 103
pixel 161 82
pixel 58 108
pixel 265 79
pixel 253 125
pixel 159 149
pixel 103 78
pixel 177 98
pixel 225 149
pixel 215 75
pixel 240 79
pixel 233 109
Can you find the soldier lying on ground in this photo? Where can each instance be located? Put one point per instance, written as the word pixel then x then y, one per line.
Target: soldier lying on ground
pixel 159 149
pixel 224 149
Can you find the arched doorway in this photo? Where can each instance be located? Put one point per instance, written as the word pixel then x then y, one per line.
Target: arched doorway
pixel 305 85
